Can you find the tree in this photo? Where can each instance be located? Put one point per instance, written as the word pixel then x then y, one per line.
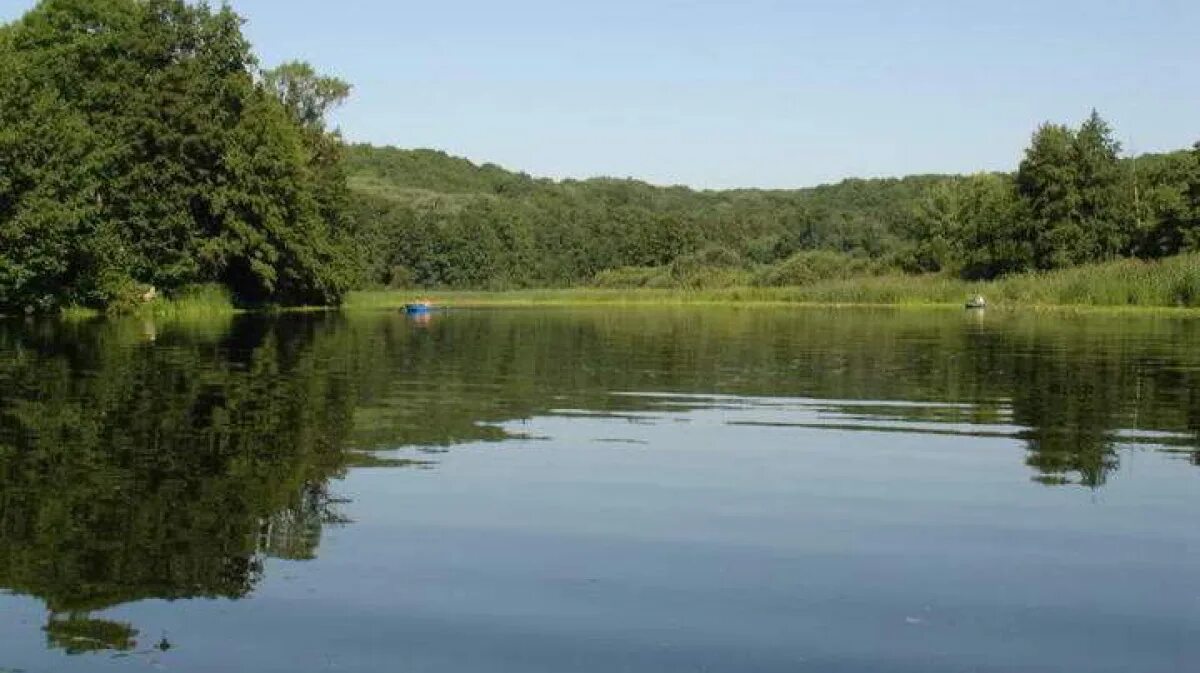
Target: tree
pixel 1098 183
pixel 1164 195
pixel 1071 181
pixel 998 235
pixel 937 228
pixel 308 95
pixel 1047 179
pixel 972 226
pixel 139 148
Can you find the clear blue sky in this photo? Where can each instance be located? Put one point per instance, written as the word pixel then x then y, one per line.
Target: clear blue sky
pixel 771 93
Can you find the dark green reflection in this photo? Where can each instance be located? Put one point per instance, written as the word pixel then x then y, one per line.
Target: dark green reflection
pixel 143 464
pixel 148 461
pixel 1074 388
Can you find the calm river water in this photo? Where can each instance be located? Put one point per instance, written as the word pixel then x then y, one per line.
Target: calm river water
pixel 602 490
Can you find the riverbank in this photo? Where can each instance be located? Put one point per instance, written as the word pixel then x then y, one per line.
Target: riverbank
pixel 1168 284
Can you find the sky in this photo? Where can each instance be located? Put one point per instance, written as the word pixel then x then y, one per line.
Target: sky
pixel 747 93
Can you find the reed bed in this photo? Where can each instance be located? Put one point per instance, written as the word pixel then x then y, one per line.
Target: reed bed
pixel 1169 283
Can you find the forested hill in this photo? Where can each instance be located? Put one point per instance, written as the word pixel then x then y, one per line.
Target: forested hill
pixel 443 220
pixel 429 219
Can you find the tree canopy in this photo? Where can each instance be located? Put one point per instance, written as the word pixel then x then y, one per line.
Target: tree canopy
pixel 437 220
pixel 141 145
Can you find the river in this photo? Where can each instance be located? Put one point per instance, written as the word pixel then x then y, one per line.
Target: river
pixel 609 489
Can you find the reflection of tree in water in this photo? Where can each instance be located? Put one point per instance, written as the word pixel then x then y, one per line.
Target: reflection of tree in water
pixel 1071 409
pixel 1076 388
pixel 129 471
pixel 78 634
pixel 294 532
pixel 1071 382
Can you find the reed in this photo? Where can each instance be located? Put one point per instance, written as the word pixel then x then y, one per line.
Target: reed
pixel 1169 283
pixel 197 302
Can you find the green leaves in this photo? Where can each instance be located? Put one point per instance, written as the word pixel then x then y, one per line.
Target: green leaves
pixel 307 95
pixel 1072 181
pixel 138 148
pixel 1072 201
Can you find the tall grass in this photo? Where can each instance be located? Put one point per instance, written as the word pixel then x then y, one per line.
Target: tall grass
pixel 192 303
pixel 1173 282
pixel 196 302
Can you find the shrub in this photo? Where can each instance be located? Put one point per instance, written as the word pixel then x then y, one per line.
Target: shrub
pixel 401 278
pixel 811 266
pixel 627 277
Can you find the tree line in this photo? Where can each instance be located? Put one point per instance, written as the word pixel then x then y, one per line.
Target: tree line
pixel 1073 200
pixel 442 221
pixel 436 220
pixel 143 145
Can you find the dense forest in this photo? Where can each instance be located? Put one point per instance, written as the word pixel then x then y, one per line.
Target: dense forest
pixel 144 149
pixel 436 220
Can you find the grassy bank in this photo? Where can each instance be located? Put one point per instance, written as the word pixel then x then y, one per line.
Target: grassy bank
pixel 1170 283
pixel 199 302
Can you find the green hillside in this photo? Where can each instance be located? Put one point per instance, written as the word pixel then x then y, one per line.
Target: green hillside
pixel 498 228
pixel 429 219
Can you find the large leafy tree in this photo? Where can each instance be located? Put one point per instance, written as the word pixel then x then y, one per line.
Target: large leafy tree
pixel 1098 172
pixel 973 226
pixel 1072 183
pixel 1164 190
pixel 140 146
pixel 1048 181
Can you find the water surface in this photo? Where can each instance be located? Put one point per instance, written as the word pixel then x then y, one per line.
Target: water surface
pixel 602 490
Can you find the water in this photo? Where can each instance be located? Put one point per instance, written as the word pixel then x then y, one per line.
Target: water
pixel 602 490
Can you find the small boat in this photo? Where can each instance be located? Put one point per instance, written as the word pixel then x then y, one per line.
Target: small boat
pixel 418 307
pixel 977 302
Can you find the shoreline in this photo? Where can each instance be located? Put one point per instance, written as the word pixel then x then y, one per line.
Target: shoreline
pixel 381 300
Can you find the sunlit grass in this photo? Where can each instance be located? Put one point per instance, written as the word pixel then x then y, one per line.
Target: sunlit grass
pixel 1170 283
pixel 196 302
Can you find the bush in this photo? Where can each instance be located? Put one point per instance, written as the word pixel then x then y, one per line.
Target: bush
pixel 627 277
pixel 707 269
pixel 811 266
pixel 401 278
pixel 710 257
pixel 712 267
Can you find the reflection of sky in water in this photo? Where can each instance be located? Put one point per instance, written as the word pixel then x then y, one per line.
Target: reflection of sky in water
pixel 701 543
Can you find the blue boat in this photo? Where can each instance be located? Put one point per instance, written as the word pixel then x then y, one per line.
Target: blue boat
pixel 418 308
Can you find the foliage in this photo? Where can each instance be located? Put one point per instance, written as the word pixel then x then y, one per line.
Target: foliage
pixel 1072 183
pixel 1073 201
pixel 141 147
pixel 431 213
pixel 973 226
pixel 806 268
